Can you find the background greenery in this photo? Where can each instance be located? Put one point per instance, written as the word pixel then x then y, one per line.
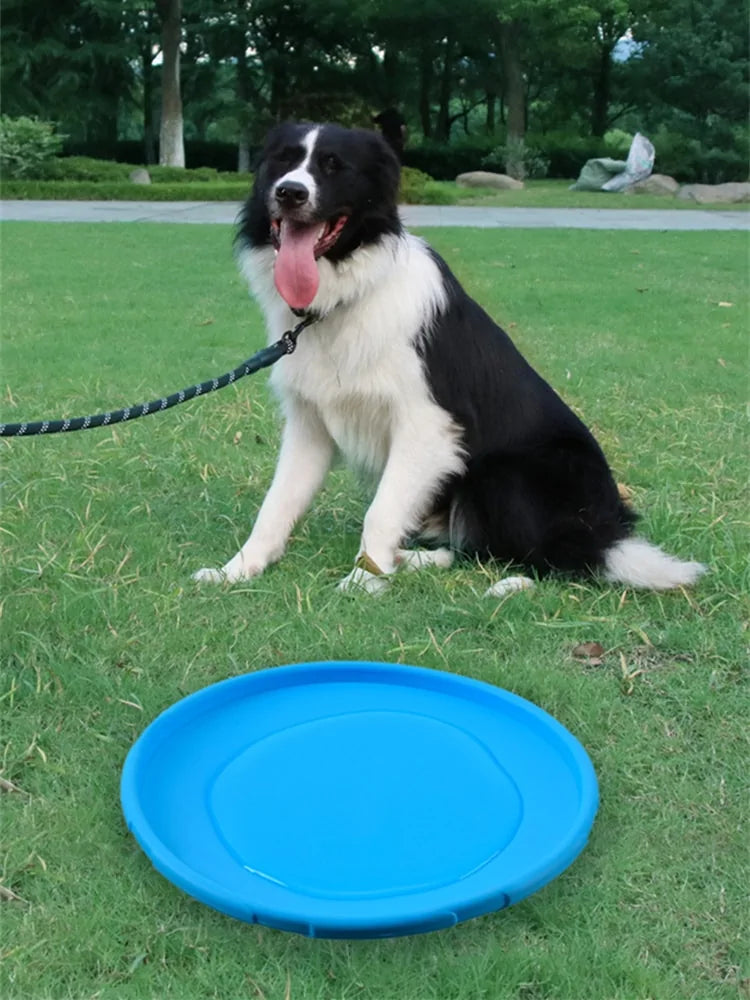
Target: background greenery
pixel 102 628
pixel 564 75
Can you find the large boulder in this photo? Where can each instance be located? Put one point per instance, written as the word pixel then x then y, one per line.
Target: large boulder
pixel 713 194
pixel 656 184
pixel 485 178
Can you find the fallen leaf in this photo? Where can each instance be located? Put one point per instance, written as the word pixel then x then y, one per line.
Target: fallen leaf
pixel 10 786
pixel 624 492
pixel 8 896
pixel 591 652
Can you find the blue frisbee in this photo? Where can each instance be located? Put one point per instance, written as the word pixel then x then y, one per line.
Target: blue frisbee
pixel 362 800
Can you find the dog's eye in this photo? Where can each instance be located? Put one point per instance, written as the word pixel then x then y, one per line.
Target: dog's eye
pixel 289 155
pixel 331 164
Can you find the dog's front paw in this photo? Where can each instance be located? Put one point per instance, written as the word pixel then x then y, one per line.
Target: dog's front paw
pixel 238 568
pixel 363 581
pixel 208 575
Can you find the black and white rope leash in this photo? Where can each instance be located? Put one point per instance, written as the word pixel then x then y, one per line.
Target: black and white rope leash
pixel 262 359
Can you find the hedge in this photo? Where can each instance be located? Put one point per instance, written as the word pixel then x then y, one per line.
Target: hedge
pixel 123 191
pixel 416 187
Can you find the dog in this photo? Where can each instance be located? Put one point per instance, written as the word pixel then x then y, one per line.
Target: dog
pixel 413 383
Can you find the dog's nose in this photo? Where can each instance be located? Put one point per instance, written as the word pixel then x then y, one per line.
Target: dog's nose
pixel 291 193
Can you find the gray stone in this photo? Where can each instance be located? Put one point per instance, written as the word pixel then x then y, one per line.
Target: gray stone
pixel 656 184
pixel 485 178
pixel 712 194
pixel 140 176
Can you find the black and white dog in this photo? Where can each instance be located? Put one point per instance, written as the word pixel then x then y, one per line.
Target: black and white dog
pixel 412 382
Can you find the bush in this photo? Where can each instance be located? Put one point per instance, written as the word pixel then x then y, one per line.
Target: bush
pixel 567 153
pixel 444 161
pixel 27 146
pixel 198 153
pixel 124 191
pixel 182 175
pixel 413 183
pixel 86 168
pixel 519 160
pixel 690 160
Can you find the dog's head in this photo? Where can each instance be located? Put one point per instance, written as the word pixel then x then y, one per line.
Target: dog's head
pixel 320 191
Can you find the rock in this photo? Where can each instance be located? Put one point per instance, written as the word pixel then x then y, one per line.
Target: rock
pixel 485 178
pixel 712 194
pixel 140 176
pixel 656 184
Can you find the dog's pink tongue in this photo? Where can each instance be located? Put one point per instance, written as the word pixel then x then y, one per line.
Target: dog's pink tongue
pixel 295 272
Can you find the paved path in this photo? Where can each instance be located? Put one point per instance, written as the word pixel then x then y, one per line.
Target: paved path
pixel 225 213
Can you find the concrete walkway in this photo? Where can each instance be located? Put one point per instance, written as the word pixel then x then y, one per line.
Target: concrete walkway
pixel 225 213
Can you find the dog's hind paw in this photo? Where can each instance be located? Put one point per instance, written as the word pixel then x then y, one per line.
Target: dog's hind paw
pixel 363 581
pixel 510 585
pixel 413 559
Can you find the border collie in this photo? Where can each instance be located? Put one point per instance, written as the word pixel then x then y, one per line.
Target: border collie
pixel 412 382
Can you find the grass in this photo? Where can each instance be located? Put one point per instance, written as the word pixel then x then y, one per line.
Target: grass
pixel 102 628
pixel 550 193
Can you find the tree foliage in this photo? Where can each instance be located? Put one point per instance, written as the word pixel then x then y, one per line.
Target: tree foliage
pixel 504 69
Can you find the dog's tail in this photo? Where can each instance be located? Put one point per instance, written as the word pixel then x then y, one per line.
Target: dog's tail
pixel 640 564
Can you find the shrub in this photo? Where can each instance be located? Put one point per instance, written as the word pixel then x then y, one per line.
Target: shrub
pixel 198 153
pixel 181 175
pixel 86 168
pixel 27 146
pixel 413 183
pixel 518 160
pixel 620 140
pixel 123 191
pixel 690 160
pixel 444 161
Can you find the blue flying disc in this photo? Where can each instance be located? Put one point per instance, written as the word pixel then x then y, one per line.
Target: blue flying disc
pixel 358 799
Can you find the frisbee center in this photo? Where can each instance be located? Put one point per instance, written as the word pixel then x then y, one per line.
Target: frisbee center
pixel 365 804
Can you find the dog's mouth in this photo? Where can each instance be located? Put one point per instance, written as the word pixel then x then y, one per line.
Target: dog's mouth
pixel 298 246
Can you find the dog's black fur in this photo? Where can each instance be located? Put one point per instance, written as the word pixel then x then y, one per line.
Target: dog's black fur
pixel 537 488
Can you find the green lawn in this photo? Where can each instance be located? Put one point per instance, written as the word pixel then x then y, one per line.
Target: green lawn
pixel 557 194
pixel 646 335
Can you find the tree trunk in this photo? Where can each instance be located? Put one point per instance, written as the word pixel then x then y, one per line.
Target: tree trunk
pixel 425 86
pixel 515 95
pixel 390 76
pixel 489 122
pixel 602 89
pixel 149 134
pixel 446 79
pixel 243 95
pixel 171 143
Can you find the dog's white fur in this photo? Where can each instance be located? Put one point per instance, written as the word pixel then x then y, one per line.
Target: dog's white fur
pixel 354 384
pixel 302 174
pixel 642 564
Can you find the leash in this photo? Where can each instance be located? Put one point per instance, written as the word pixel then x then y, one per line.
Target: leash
pixel 262 359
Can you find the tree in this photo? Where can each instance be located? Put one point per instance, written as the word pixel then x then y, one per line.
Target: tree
pixel 68 61
pixel 171 141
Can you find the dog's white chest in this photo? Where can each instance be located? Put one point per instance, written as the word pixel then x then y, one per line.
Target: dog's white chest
pixel 358 391
pixel 359 367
